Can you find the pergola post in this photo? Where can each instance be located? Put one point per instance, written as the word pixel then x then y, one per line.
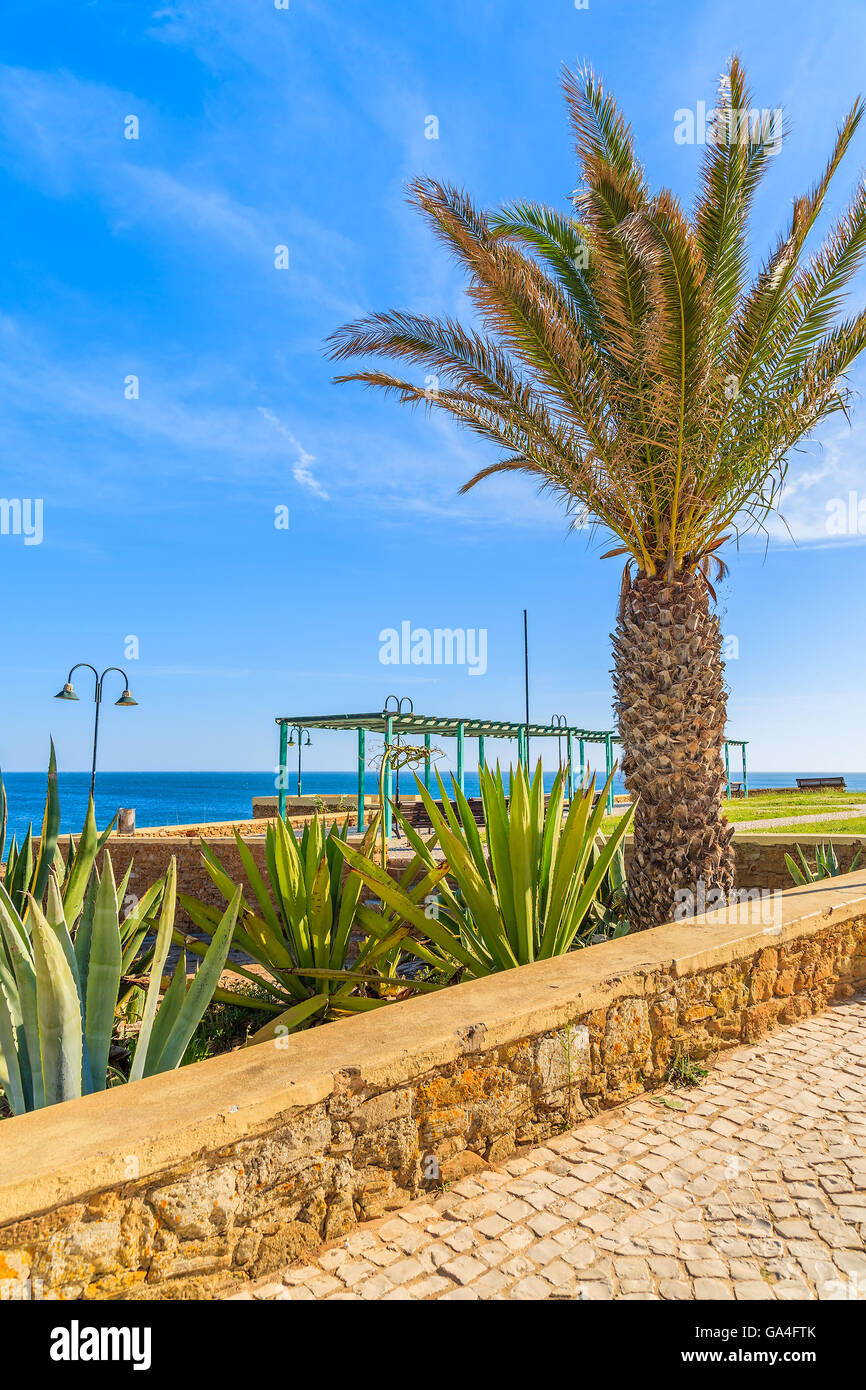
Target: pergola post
pixel 283 770
pixel 480 753
pixel 570 774
pixel 461 749
pixel 362 748
pixel 727 770
pixel 745 773
pixel 582 751
pixel 389 729
pixel 427 762
pixel 608 762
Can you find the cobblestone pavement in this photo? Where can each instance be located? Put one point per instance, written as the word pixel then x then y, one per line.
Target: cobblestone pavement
pixel 752 1187
pixel 776 822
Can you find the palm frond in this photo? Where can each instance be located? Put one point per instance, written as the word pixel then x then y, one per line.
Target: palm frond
pixel 733 166
pixel 618 356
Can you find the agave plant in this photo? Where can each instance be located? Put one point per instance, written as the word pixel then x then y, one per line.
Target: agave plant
pixel 25 878
pixel 528 895
pixel 826 864
pixel 610 906
pixel 58 991
pixel 297 927
pixel 625 363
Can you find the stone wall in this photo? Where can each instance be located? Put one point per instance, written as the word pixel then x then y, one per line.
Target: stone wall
pixel 760 859
pixel 228 1169
pixel 268 806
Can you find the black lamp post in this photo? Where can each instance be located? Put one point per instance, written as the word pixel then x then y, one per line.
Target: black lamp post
pixel 296 728
pixel 68 693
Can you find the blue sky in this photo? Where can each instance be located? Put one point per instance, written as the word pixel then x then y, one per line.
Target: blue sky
pixel 154 258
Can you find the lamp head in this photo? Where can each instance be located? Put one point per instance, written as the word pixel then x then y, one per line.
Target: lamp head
pixel 67 693
pixel 126 699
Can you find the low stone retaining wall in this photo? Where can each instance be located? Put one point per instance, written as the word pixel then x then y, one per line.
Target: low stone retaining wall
pixel 268 806
pixel 229 1168
pixel 225 829
pixel 151 852
pixel 760 859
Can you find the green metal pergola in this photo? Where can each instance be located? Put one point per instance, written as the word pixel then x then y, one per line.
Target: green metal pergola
pixel 393 723
pixel 741 744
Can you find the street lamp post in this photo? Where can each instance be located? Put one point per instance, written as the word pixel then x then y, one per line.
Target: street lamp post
pixel 68 693
pixel 297 729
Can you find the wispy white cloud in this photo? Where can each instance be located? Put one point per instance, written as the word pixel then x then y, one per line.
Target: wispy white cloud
pixel 815 507
pixel 177 183
pixel 302 470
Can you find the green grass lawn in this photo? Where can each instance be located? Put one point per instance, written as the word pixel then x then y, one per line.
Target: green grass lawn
pixel 798 804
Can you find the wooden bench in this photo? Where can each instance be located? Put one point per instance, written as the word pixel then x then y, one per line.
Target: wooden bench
pixel 416 812
pixel 813 784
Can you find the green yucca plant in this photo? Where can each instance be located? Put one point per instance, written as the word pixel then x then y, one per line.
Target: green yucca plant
pixel 525 896
pixel 58 990
pixel 826 864
pixel 622 356
pixel 297 926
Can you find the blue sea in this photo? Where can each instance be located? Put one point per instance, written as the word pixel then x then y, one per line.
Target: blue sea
pixel 182 798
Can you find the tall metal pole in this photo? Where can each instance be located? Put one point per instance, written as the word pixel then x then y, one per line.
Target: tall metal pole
pixel 299 761
pixel 526 681
pixel 95 737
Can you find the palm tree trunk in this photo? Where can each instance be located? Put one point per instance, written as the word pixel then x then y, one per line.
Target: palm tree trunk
pixel 671 703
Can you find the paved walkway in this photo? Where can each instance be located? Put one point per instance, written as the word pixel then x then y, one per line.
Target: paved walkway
pixel 752 1186
pixel 779 822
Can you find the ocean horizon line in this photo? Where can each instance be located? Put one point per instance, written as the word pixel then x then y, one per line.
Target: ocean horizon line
pixel 799 771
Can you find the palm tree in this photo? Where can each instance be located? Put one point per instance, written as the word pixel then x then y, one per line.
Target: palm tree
pixel 625 361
